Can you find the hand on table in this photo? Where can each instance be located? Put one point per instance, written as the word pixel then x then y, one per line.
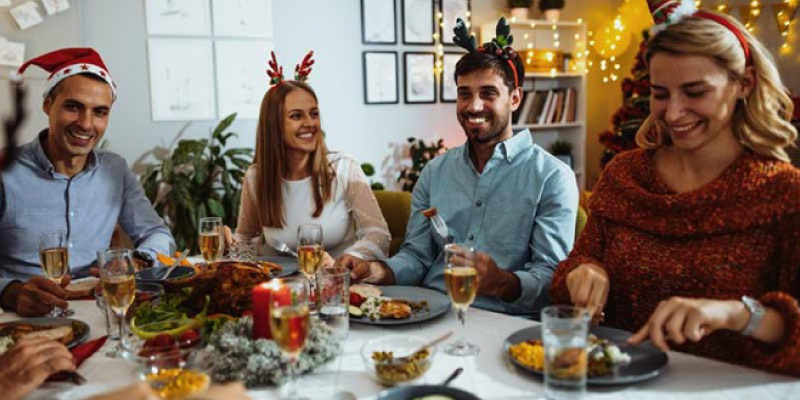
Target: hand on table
pixel 680 319
pixel 25 366
pixel 362 271
pixel 227 234
pixel 588 287
pixel 327 261
pixel 38 296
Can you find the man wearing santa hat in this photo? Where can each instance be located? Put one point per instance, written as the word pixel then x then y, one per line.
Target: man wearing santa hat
pixel 59 182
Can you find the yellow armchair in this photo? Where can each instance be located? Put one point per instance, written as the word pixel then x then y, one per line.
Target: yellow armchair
pixel 396 208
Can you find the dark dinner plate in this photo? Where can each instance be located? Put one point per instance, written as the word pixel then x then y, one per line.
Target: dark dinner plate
pixel 413 392
pixel 153 274
pixel 80 329
pixel 647 361
pixel 289 264
pixel 438 304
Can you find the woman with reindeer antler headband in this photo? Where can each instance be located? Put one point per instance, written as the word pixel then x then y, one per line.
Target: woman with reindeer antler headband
pixel 295 180
pixel 692 241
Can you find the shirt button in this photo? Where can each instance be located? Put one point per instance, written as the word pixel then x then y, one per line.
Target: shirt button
pixel 478 203
pixel 471 237
pixel 72 213
pixel 70 245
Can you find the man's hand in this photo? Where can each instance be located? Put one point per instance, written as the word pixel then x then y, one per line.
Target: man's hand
pixel 26 366
pixel 369 272
pixel 680 319
pixel 588 287
pixel 492 280
pixel 38 296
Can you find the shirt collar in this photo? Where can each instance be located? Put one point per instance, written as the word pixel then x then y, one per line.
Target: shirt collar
pixel 40 157
pixel 509 148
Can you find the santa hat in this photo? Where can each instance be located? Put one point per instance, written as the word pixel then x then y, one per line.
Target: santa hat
pixel 64 63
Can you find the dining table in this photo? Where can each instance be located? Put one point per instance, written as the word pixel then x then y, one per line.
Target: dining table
pixel 489 375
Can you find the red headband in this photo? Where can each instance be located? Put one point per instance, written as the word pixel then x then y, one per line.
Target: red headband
pixel 739 35
pixel 510 62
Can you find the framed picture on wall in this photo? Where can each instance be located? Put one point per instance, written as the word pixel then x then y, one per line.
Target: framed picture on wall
pixel 378 22
pixel 380 77
pixel 448 92
pixel 420 82
pixel 241 81
pixel 181 79
pixel 452 10
pixel 243 18
pixel 178 17
pixel 418 22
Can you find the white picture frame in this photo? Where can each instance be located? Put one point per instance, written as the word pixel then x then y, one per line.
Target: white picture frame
pixel 181 79
pixel 418 21
pixel 12 54
pixel 378 22
pixel 241 77
pixel 420 77
pixel 53 7
pixel 26 15
pixel 178 17
pixel 451 11
pixel 380 77
pixel 243 18
pixel 449 89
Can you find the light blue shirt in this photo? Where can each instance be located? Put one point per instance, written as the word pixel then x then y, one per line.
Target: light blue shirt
pixel 34 198
pixel 521 211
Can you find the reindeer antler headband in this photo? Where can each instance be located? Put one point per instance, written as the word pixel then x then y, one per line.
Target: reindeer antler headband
pixel 301 71
pixel 500 46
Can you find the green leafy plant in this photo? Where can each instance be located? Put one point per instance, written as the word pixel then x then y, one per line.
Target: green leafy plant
pixel 369 170
pixel 520 3
pixel 560 147
pixel 200 179
pixel 421 153
pixel 550 5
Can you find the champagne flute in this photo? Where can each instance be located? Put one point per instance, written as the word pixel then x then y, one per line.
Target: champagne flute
pixel 118 282
pixel 290 322
pixel 309 253
pixel 461 281
pixel 54 258
pixel 210 238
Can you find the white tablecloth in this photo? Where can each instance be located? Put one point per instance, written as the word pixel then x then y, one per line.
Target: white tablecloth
pixel 489 376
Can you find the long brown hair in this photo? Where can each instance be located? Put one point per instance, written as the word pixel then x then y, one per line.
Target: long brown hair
pixel 271 159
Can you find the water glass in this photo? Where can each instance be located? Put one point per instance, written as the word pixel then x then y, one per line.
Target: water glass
pixel 112 323
pixel 243 251
pixel 564 333
pixel 333 299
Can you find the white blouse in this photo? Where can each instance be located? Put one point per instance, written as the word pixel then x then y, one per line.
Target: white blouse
pixel 352 222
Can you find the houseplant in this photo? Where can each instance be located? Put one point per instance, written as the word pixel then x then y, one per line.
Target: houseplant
pixel 520 8
pixel 369 170
pixel 562 149
pixel 200 179
pixel 551 9
pixel 420 153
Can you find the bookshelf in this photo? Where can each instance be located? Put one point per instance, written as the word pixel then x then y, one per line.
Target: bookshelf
pixel 539 37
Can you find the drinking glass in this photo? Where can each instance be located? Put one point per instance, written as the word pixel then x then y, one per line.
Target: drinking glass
pixel 290 322
pixel 564 333
pixel 461 281
pixel 333 298
pixel 54 258
pixel 309 254
pixel 118 282
pixel 210 238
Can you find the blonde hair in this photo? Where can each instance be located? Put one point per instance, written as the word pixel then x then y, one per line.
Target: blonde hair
pixel 762 121
pixel 270 158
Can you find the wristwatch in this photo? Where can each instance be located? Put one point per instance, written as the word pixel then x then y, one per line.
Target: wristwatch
pixel 756 315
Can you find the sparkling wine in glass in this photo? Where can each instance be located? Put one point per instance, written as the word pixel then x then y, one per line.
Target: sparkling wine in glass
pixel 461 281
pixel 210 238
pixel 54 259
pixel 309 254
pixel 118 282
pixel 290 322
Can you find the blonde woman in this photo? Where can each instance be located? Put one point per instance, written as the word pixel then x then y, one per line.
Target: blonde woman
pixel 295 181
pixel 692 241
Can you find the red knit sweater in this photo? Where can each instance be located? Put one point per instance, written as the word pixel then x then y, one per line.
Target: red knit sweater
pixel 737 235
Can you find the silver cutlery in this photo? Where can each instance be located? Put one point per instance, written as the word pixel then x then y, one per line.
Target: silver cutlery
pixel 440 227
pixel 165 274
pixel 279 246
pixel 453 376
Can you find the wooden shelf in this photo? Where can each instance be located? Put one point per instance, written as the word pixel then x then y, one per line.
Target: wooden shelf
pixel 537 127
pixel 547 75
pixel 544 24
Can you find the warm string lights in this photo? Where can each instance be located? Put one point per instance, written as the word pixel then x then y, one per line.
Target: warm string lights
pixel 749 12
pixel 438 41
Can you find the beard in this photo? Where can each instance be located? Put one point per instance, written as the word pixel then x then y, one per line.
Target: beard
pixel 497 125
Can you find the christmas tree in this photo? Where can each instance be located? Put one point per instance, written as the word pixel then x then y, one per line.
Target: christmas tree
pixel 635 108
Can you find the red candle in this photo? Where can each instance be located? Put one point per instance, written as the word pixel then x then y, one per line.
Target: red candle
pixel 261 310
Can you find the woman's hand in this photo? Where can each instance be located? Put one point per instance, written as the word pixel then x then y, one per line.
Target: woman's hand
pixel 327 261
pixel 228 236
pixel 588 287
pixel 680 319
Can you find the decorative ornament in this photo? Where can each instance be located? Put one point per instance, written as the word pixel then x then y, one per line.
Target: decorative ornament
pixel 499 46
pixel 301 71
pixel 63 63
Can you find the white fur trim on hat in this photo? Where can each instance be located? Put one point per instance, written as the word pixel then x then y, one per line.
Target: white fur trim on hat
pixel 77 69
pixel 15 77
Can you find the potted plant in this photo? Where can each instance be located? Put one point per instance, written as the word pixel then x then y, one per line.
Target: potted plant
pixel 200 179
pixel 369 170
pixel 562 149
pixel 520 8
pixel 420 153
pixel 551 9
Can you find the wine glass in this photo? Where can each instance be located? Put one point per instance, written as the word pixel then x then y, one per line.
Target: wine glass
pixel 54 258
pixel 290 322
pixel 118 282
pixel 309 252
pixel 461 281
pixel 210 238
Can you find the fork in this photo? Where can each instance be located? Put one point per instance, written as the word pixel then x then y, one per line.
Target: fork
pixel 177 263
pixel 279 246
pixel 440 226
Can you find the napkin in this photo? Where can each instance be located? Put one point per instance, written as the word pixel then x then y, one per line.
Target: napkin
pixel 79 354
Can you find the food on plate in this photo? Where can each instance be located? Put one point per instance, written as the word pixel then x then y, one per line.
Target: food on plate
pixel 62 334
pixel 429 212
pixel 434 397
pixel 392 370
pixel 6 342
pixel 603 356
pixel 150 321
pixel 11 332
pixel 365 290
pixel 81 288
pixel 168 261
pixel 366 300
pixel 355 311
pixel 177 383
pixel 356 299
pixel 397 309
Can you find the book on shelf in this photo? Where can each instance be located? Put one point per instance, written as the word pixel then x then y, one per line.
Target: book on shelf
pixel 527 104
pixel 548 107
pixel 538 105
